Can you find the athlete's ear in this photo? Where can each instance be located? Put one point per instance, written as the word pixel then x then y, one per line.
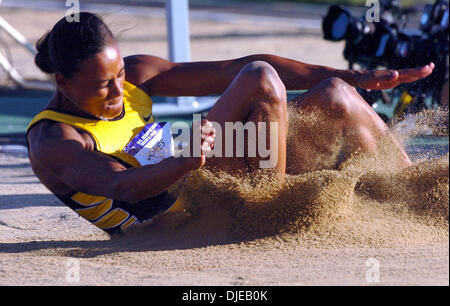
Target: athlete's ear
pixel 60 80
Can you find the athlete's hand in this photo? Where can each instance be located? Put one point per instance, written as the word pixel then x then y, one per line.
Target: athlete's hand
pixel 207 136
pixel 385 79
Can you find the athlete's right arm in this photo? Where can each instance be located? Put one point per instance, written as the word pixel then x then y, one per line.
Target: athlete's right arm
pixel 62 151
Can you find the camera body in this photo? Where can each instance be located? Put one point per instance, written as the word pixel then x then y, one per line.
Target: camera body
pixel 386 43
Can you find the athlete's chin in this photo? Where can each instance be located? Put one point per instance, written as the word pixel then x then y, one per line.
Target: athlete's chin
pixel 113 110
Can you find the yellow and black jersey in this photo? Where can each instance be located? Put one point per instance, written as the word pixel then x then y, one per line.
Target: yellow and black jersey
pixel 110 138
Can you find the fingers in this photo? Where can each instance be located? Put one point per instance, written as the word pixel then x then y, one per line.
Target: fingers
pixel 207 128
pixel 206 148
pixel 389 75
pixel 414 74
pixel 388 79
pixel 385 79
pixel 208 134
pixel 207 143
pixel 378 79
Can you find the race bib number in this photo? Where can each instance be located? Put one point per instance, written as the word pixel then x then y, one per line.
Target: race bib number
pixel 153 144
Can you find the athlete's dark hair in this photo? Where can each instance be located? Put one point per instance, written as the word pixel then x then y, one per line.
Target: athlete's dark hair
pixel 69 43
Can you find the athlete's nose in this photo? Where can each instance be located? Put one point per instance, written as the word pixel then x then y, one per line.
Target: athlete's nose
pixel 117 89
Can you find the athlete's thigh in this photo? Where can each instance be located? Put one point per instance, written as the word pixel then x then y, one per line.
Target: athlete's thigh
pixel 234 105
pixel 315 137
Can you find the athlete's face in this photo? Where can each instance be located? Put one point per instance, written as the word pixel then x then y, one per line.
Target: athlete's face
pixel 97 88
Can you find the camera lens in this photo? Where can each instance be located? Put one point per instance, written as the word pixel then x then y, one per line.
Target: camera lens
pixel 339 28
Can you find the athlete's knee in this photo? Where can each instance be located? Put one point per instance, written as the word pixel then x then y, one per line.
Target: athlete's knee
pixel 341 98
pixel 336 87
pixel 334 82
pixel 263 79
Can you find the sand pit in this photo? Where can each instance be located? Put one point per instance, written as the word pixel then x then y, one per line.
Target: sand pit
pixel 365 203
pixel 324 227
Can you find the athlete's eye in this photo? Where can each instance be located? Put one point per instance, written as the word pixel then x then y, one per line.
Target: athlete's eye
pixel 103 85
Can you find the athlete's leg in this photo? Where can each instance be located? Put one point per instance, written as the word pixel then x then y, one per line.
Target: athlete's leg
pixel 256 95
pixel 344 124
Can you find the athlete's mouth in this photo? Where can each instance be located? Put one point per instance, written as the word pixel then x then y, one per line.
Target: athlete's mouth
pixel 115 103
pixel 112 109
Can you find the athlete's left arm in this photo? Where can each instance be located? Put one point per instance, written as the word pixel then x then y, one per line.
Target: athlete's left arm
pixel 162 77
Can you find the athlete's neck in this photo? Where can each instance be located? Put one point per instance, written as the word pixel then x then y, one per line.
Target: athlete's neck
pixel 61 103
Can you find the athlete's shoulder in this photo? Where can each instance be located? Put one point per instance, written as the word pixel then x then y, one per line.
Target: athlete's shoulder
pixel 141 68
pixel 47 134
